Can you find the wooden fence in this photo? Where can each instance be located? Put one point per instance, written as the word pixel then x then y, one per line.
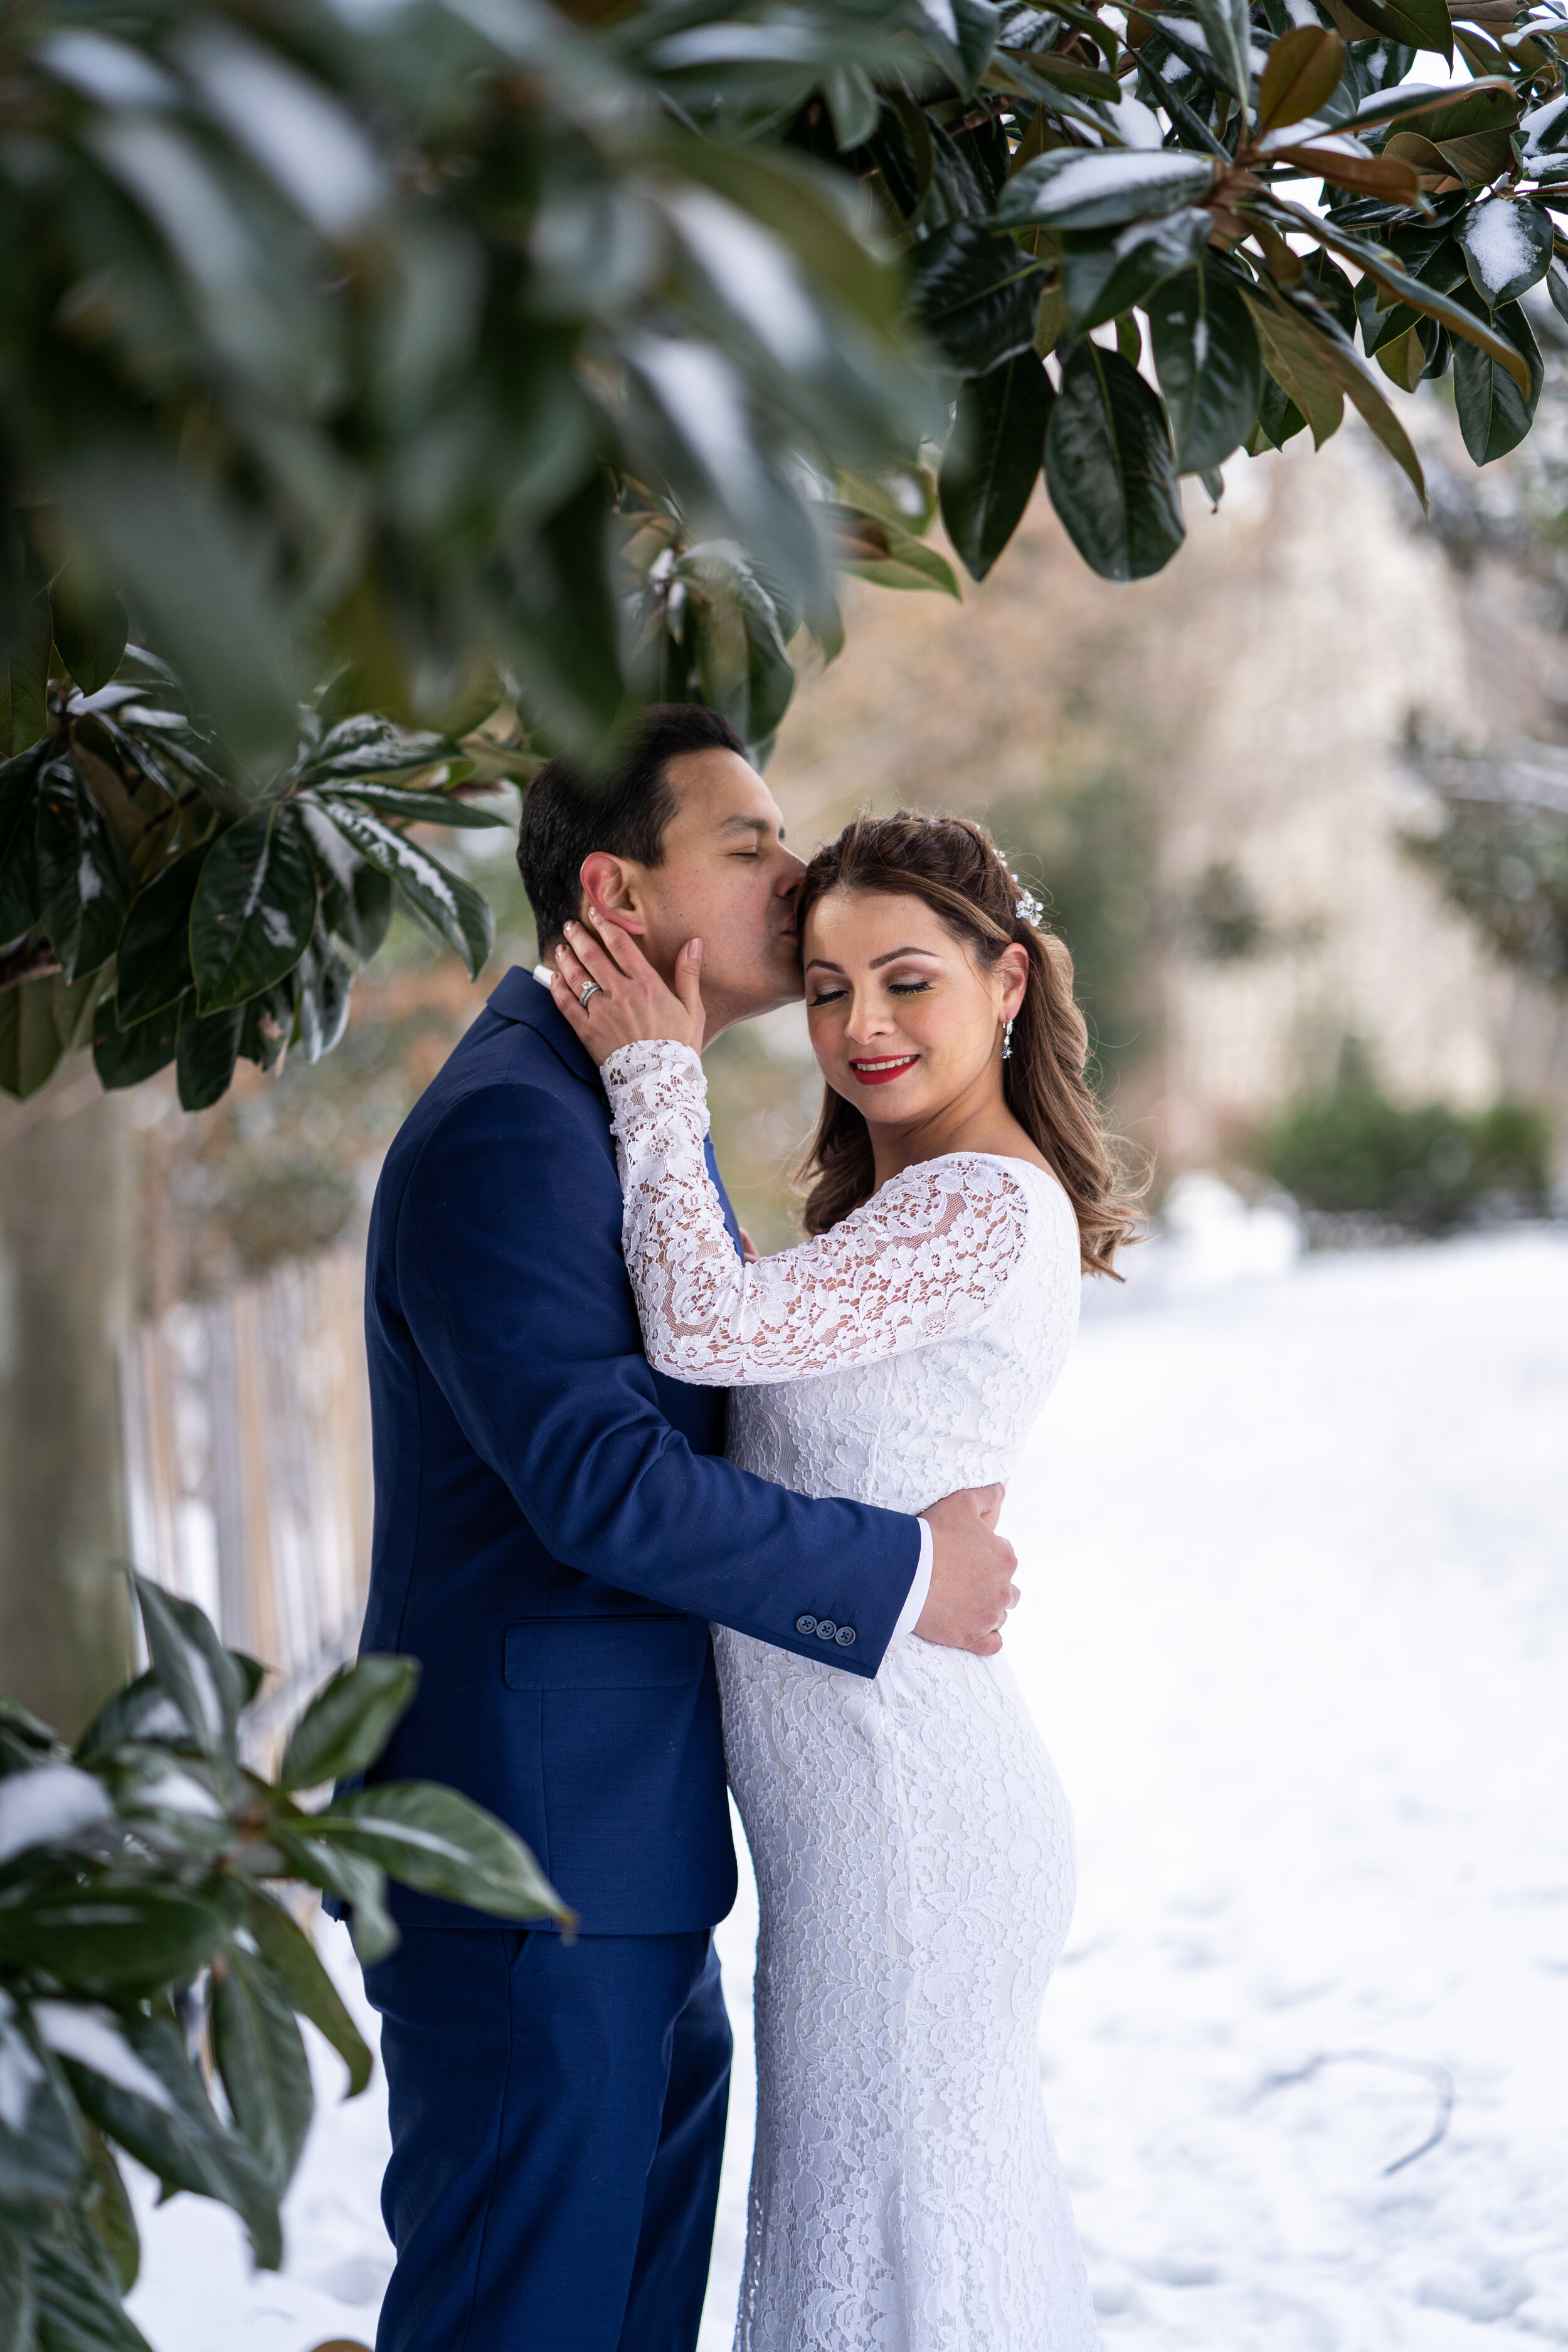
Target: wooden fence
pixel 248 1452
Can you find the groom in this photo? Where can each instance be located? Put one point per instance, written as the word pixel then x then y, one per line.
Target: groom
pixel 555 1525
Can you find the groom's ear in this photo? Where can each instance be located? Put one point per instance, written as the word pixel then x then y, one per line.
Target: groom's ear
pixel 610 886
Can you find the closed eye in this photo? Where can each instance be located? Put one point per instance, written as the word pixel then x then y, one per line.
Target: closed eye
pixel 830 995
pixel 907 987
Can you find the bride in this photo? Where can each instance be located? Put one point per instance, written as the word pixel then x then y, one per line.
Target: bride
pixel 912 1845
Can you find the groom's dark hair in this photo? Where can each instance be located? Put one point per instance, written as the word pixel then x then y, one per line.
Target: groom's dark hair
pixel 568 812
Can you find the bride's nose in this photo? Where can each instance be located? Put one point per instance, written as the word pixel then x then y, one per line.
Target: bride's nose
pixel 868 1020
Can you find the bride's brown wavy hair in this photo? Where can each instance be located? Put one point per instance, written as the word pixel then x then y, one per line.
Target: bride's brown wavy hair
pixel 955 866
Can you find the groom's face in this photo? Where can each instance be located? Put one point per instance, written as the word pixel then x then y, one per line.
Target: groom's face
pixel 725 877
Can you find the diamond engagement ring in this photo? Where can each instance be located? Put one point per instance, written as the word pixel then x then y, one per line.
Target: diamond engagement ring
pixel 592 989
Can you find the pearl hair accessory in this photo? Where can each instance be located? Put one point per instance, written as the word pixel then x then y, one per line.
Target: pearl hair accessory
pixel 1028 908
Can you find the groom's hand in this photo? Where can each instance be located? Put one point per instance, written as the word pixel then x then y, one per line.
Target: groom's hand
pixel 972 1586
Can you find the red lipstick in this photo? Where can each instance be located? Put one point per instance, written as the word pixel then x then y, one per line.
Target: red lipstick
pixel 878 1073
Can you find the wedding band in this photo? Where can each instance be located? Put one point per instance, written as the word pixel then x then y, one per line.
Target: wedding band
pixel 592 989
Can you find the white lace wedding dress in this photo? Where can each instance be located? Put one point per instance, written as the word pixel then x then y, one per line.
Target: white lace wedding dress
pixel 913 1844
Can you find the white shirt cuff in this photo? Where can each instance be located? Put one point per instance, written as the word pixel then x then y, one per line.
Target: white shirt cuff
pixel 921 1588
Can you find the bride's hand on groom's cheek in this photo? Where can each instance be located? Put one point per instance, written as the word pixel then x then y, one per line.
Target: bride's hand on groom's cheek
pixel 626 999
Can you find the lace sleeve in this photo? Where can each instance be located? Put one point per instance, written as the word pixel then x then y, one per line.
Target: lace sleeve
pixel 924 1260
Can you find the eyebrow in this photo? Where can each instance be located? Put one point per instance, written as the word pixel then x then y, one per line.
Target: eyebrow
pixel 749 825
pixel 820 963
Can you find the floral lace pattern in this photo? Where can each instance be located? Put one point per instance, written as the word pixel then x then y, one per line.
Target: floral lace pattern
pixel 913 1844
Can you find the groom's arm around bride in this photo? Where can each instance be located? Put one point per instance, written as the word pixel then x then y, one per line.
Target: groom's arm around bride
pixel 555 1525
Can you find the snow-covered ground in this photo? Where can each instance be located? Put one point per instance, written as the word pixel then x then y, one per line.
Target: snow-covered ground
pixel 1295 1627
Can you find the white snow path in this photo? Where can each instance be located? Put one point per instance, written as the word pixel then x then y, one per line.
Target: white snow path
pixel 1295 1627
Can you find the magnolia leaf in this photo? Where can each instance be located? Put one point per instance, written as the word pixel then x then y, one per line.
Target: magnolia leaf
pixel 205 1052
pixel 361 1885
pixel 975 294
pixel 1404 361
pixel 30 1041
pixel 123 1057
pixel 152 966
pixel 400 801
pixel 442 1843
pixel 91 628
pixel 24 679
pixel 291 1957
pixel 1412 102
pixel 452 907
pixel 1340 360
pixel 1292 355
pixel 1506 247
pixel 1099 187
pixel 109 1932
pixel 77 2293
pixel 206 1683
pixel 875 549
pixel 40 2150
pixel 1395 181
pixel 1447 308
pixel 1557 287
pixel 1494 414
pixel 356 896
pixel 1110 469
pixel 348 1721
pixel 266 1024
pixel 1103 272
pixel 1227 25
pixel 253 912
pixel 1209 364
pixel 266 2074
pixel 325 978
pixel 81 877
pixel 994 459
pixel 109 2211
pixel 743 664
pixel 368 745
pixel 853 105
pixel 16 2300
pixel 19 823
pixel 1304 68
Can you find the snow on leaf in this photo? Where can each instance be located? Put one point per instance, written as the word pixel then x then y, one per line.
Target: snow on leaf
pixel 48 1807
pixel 93 2039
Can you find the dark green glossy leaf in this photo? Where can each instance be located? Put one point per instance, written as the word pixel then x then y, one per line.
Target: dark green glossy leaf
pixel 1557 287
pixel 1507 247
pixel 356 896
pixel 170 2125
pixel 398 803
pixel 108 2208
pixel 1096 187
pixel 125 1057
pixel 290 1955
pixel 1103 273
pixel 1415 24
pixel 1210 366
pixel 206 1683
pixel 16 2300
pixel 994 459
pixel 41 2157
pixel 259 2054
pixel 266 1026
pixel 452 907
pixel 154 964
pixel 205 1055
pixel 742 665
pixel 18 820
pixel 432 1839
pixel 30 1041
pixel 1228 27
pixel 325 980
pixel 91 628
pixel 368 745
pixel 81 877
pixel 24 679
pixel 1293 354
pixel 1494 414
pixel 975 293
pixel 254 911
pixel 1110 469
pixel 361 1884
pixel 106 1931
pixel 77 2293
pixel 965 52
pixel 1279 418
pixel 348 1721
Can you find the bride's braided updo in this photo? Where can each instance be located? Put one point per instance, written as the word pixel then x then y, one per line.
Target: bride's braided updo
pixel 955 866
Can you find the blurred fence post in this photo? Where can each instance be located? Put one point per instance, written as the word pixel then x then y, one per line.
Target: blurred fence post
pixel 248 1452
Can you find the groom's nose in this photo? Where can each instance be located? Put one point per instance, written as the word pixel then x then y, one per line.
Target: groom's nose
pixel 790 873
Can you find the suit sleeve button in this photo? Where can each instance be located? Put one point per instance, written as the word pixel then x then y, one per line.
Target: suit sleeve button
pixel 844 1636
pixel 804 1624
pixel 825 1629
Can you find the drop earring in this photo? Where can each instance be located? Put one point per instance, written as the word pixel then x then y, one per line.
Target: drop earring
pixel 1007 1041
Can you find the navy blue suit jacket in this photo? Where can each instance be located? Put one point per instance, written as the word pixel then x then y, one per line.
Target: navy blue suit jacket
pixel 555 1523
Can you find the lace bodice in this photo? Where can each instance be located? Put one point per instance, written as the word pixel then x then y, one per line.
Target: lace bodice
pixel 915 1277
pixel 913 1848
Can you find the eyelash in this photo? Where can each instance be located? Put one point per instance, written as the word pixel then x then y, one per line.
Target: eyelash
pixel 895 988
